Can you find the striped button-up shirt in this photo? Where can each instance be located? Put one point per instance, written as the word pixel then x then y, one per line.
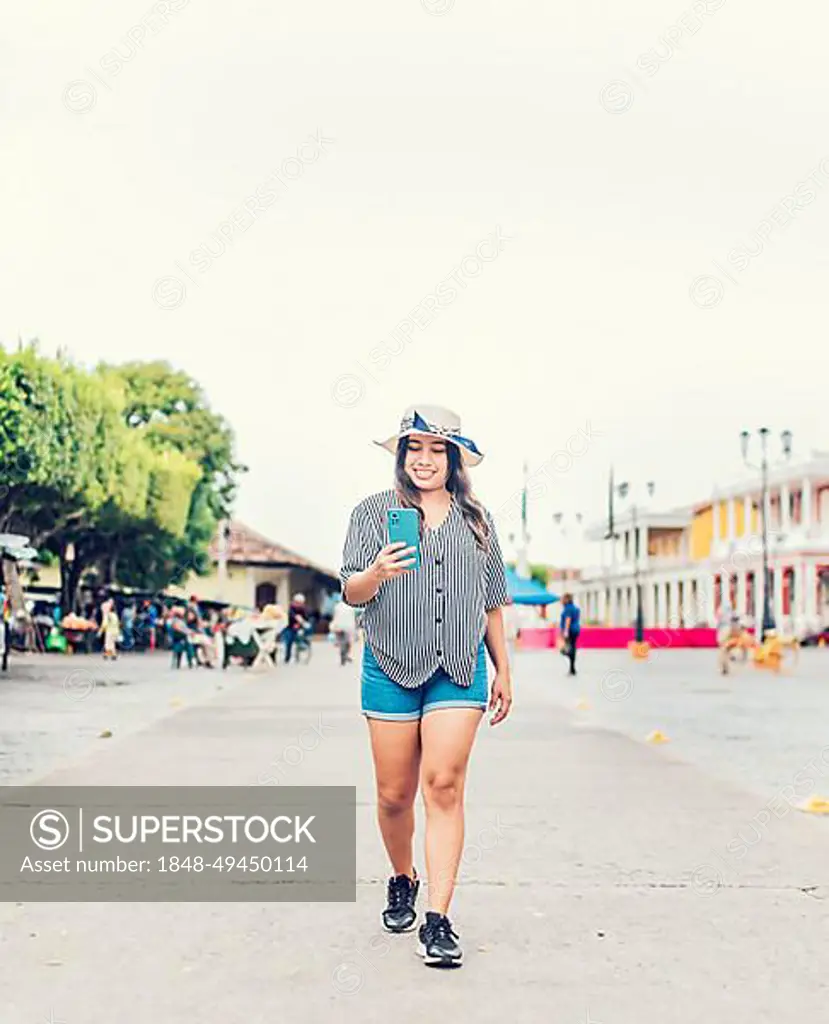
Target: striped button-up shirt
pixel 434 616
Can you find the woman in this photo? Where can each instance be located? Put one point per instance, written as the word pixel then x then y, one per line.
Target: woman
pixel 110 630
pixel 424 676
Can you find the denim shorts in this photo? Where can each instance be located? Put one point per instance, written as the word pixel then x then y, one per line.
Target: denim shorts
pixel 384 698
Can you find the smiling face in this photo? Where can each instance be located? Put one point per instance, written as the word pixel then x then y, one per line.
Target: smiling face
pixel 427 462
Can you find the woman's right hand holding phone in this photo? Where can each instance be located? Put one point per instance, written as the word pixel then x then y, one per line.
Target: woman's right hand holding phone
pixel 392 561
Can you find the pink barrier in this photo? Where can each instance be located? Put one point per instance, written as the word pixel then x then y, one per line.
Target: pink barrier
pixel 618 637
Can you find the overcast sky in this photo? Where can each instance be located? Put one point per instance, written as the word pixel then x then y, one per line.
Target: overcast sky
pixel 648 177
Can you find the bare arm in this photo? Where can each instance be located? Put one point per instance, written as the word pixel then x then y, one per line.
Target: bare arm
pixel 496 641
pixel 362 586
pixel 500 698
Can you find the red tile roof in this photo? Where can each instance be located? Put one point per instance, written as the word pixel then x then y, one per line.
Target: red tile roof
pixel 247 547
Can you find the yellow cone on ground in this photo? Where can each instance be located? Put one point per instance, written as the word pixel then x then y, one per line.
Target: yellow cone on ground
pixel 583 705
pixel 657 736
pixel 105 734
pixel 815 805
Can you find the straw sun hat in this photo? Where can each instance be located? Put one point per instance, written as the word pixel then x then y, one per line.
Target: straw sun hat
pixel 438 422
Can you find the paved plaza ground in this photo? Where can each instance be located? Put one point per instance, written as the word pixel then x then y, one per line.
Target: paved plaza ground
pixel 605 879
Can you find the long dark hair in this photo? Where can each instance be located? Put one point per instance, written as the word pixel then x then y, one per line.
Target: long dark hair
pixel 457 483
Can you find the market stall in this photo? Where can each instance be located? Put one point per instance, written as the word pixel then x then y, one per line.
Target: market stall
pixel 14 548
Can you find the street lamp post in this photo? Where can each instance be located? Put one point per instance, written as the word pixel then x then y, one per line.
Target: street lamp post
pixel 768 623
pixel 623 491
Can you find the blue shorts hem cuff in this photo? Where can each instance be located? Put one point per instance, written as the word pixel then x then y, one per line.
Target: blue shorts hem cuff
pixel 476 705
pixel 390 716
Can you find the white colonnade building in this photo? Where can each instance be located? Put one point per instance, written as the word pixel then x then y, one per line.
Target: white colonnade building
pixel 692 561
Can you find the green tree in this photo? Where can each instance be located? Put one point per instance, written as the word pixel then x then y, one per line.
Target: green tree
pixel 79 468
pixel 171 412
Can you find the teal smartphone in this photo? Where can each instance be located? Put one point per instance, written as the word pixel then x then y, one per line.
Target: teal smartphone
pixel 404 524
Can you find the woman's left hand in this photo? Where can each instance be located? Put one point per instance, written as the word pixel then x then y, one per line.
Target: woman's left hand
pixel 500 700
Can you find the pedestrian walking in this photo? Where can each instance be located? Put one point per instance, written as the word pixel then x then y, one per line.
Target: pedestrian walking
pixel 110 630
pixel 149 619
pixel 344 628
pixel 570 626
pixel 181 638
pixel 424 671
pixel 297 621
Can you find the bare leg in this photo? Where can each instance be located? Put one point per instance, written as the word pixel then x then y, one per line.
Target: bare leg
pixel 395 747
pixel 447 735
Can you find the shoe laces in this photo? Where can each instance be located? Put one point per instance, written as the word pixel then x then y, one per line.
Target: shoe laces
pixel 398 891
pixel 442 929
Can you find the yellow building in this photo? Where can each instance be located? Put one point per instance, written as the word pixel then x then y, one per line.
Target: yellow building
pixel 696 561
pixel 251 571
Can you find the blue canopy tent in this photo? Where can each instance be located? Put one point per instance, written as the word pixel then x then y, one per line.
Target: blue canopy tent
pixel 523 591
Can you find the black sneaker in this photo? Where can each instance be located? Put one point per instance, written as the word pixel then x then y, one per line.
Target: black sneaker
pixel 400 914
pixel 438 943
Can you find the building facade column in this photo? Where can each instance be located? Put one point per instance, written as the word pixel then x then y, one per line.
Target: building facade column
pixel 769 523
pixel 731 527
pixel 785 509
pixel 806 502
pixel 674 615
pixel 759 599
pixel 809 591
pixel 709 604
pixel 748 509
pixel 777 591
pixel 715 524
pixel 685 602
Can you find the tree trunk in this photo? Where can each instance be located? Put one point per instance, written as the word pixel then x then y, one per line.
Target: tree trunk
pixel 70 578
pixel 109 563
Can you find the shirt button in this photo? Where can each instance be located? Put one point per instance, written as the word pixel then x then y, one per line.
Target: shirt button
pixel 439 590
pixel 440 654
pixel 438 620
pixel 438 561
